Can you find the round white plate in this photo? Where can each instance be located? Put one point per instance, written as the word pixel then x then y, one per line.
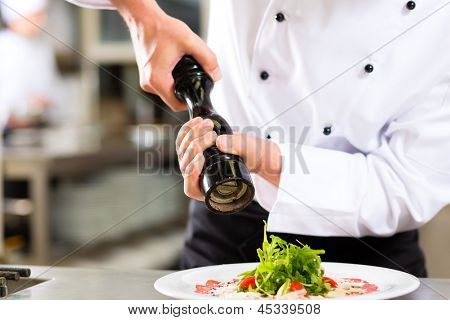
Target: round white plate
pixel 391 283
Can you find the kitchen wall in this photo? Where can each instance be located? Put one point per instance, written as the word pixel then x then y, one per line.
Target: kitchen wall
pixel 435 240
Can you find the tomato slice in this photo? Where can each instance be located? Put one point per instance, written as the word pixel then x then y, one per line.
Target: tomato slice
pixel 295 285
pixel 248 282
pixel 332 283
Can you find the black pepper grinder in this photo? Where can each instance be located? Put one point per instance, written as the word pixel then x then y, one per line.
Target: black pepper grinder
pixel 225 180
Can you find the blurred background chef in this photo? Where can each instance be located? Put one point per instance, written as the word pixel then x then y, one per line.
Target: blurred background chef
pixel 28 72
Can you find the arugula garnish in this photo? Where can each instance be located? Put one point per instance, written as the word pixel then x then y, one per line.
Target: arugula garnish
pixel 281 263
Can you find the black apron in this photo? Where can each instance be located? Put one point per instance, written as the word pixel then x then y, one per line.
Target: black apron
pixel 217 239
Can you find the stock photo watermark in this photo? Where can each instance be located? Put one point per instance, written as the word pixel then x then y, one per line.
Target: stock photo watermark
pixel 157 153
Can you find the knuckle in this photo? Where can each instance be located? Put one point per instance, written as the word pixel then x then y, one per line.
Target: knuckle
pixel 190 126
pixel 178 141
pixel 209 124
pixel 180 135
pixel 176 23
pixel 195 146
pixel 213 135
pixel 190 39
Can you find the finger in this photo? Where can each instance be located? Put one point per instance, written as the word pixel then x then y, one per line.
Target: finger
pixel 197 146
pixel 197 131
pixel 167 95
pixel 161 79
pixel 235 144
pixel 192 178
pixel 207 59
pixel 252 150
pixel 185 129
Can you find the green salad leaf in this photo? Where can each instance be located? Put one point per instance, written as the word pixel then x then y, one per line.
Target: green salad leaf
pixel 281 263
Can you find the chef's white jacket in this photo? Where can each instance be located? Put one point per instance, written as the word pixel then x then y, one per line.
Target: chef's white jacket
pixel 27 65
pixel 366 83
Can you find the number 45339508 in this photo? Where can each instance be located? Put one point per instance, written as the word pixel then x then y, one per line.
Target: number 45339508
pixel 287 308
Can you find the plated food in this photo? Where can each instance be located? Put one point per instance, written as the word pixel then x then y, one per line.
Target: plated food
pixel 285 271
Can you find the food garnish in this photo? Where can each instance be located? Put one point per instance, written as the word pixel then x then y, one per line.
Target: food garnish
pixel 287 267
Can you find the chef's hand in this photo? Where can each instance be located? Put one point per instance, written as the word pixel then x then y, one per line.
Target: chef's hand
pixel 160 41
pixel 260 156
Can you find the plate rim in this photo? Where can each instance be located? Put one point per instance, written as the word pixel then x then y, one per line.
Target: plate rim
pixel 414 284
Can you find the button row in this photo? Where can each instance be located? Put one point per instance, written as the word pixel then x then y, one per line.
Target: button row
pixel 326 131
pixel 368 68
pixel 280 17
pixel 410 5
pixel 264 75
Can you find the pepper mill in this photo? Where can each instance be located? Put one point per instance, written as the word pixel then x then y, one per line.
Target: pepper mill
pixel 225 180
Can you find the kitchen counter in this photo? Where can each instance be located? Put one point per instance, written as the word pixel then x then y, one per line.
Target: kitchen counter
pixel 106 284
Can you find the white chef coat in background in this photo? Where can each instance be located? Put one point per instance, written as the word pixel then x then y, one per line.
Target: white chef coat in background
pixel 12 10
pixel 369 82
pixel 27 70
pixel 27 64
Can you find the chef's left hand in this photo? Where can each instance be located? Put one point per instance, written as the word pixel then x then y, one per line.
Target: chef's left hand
pixel 261 156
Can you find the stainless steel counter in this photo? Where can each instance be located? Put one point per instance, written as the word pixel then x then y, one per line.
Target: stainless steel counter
pixel 105 284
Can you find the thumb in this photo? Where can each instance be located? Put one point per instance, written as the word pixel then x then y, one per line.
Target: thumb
pixel 234 144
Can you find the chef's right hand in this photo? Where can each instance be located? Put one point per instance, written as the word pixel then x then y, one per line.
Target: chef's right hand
pixel 160 41
pixel 194 137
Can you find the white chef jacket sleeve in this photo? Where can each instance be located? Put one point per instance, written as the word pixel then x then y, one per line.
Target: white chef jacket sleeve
pixel 399 186
pixel 97 4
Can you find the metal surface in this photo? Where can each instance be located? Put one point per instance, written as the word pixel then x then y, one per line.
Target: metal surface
pixel 23 284
pixel 80 284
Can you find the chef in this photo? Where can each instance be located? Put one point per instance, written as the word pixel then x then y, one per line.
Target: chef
pixel 349 108
pixel 28 73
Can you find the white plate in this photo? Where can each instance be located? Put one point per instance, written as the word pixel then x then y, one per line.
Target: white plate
pixel 391 283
